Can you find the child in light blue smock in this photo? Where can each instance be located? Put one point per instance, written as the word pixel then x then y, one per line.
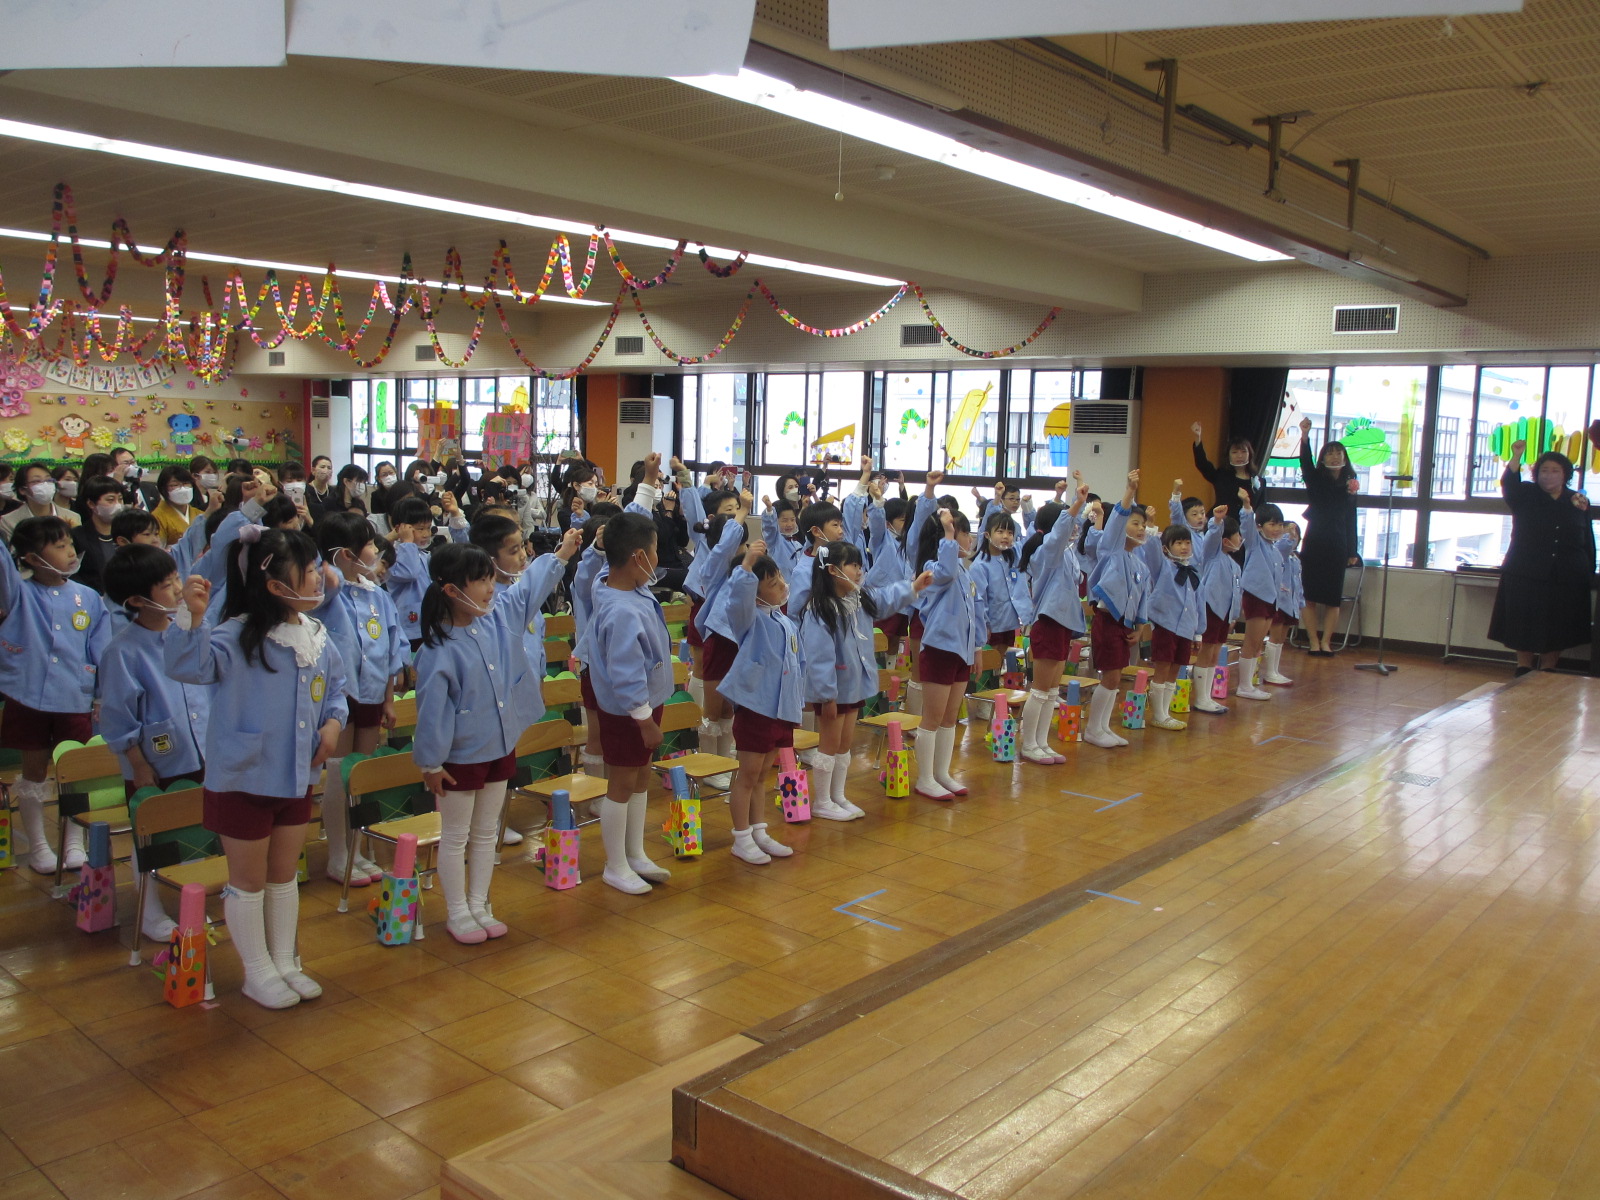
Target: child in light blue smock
pixel 154 724
pixel 1006 605
pixel 766 687
pixel 1291 599
pixel 1177 616
pixel 950 636
pixel 1120 589
pixel 1263 584
pixel 52 636
pixel 278 706
pixel 1049 561
pixel 1220 590
pixel 708 575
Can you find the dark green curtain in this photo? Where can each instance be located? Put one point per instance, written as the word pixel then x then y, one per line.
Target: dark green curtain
pixel 1255 397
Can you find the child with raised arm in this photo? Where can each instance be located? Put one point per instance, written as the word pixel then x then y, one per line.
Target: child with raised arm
pixel 1262 581
pixel 1050 563
pixel 1177 616
pixel 629 653
pixel 950 633
pixel 765 686
pixel 1291 600
pixel 278 704
pixel 1120 589
pixel 1219 588
pixel 54 632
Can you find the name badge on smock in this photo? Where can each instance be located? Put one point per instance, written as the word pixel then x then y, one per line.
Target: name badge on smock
pixel 319 685
pixel 161 743
pixel 80 620
pixel 374 628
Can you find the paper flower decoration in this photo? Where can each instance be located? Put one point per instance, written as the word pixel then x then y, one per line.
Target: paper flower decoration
pixel 103 438
pixel 255 443
pixel 158 406
pixel 244 392
pixel 13 403
pixel 191 385
pixel 124 436
pixel 138 424
pixel 18 442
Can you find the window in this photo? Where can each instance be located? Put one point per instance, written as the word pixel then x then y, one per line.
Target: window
pixel 1307 397
pixel 907 421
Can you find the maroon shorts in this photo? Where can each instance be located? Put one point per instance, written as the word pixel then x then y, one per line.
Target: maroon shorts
pixel 1051 640
pixel 840 707
pixel 1168 647
pixel 894 627
pixel 1256 609
pixel 365 716
pixel 916 627
pixel 1109 639
pixel 692 632
pixel 757 734
pixel 621 744
pixel 469 777
pixel 586 689
pixel 249 818
pixel 1217 629
pixel 24 728
pixel 1282 620
pixel 941 666
pixel 719 655
pixel 1003 641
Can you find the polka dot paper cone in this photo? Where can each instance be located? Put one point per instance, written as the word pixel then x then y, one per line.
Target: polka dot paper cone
pixel 394 909
pixel 1182 693
pixel 794 787
pixel 1069 722
pixel 1133 710
pixel 683 829
pixel 561 859
pixel 7 854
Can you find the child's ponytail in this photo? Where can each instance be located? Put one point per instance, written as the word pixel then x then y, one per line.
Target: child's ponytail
pixel 1043 522
pixel 261 554
pixel 454 564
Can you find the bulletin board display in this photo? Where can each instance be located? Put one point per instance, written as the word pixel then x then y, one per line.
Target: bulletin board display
pixel 61 413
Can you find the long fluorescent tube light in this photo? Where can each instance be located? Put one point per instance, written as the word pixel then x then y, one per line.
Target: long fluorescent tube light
pixel 775 95
pixel 299 268
pixel 366 191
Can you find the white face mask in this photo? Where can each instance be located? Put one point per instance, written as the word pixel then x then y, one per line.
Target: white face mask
pixel 314 599
pixel 42 493
pixel 791 494
pixel 296 490
pixel 180 496
pixel 67 488
pixel 107 512
pixel 208 481
pixel 527 481
pixel 436 480
pixel 386 481
pixel 358 489
pixel 588 492
pixel 8 490
pixel 462 598
pixel 427 486
pixel 66 572
pixel 144 602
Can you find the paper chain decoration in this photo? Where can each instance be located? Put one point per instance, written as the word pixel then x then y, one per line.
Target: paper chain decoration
pixel 203 340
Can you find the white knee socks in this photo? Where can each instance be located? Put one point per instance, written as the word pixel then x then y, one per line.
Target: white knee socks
pixel 1101 705
pixel 248 929
pixel 282 908
pixel 1200 700
pixel 1248 688
pixel 841 772
pixel 1161 707
pixel 490 800
pixel 927 763
pixel 943 752
pixel 1036 714
pixel 455 828
pixel 73 855
pixel 638 808
pixel 30 796
pixel 614 833
pixel 153 921
pixel 1273 652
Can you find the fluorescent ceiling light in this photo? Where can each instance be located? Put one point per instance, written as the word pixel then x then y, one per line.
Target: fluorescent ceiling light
pixel 366 191
pixel 752 87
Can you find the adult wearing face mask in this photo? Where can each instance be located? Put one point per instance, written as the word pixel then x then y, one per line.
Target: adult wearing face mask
pixel 319 495
pixel 125 470
pixel 379 498
pixel 207 479
pixel 37 491
pixel 176 509
pixel 1542 605
pixel 1330 544
pixel 350 489
pixel 102 500
pixel 8 490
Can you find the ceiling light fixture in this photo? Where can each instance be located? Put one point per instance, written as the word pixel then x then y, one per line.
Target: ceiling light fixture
pixel 365 191
pixel 775 95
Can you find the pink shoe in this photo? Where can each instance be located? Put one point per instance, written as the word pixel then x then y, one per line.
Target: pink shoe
pixel 933 796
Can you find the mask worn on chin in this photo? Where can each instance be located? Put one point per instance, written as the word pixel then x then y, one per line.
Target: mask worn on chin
pixel 67 488
pixel 180 497
pixel 66 572
pixel 150 605
pixel 362 569
pixel 314 599
pixel 477 608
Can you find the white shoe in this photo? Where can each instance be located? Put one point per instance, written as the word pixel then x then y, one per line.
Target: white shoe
pixel 273 992
pixel 1104 738
pixel 303 986
pixel 647 870
pixel 829 811
pixel 513 837
pixel 746 850
pixel 1272 659
pixel 365 866
pixel 810 757
pixel 158 929
pixel 629 882
pixel 1251 692
pixel 768 843
pixel 75 859
pixel 850 808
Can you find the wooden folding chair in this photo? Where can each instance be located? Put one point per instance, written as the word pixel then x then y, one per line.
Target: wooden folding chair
pixel 675 614
pixel 89 788
pixel 540 738
pixel 698 766
pixel 377 773
pixel 166 861
pixel 562 625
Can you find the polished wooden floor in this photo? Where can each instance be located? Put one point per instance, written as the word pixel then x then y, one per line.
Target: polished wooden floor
pixel 1385 986
pixel 419 1054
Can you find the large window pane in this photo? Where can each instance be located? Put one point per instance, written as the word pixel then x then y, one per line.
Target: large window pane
pixel 1372 526
pixel 1567 410
pixel 907 422
pixel 1377 414
pixel 722 418
pixel 1459 539
pixel 840 407
pixel 1452 437
pixel 973 391
pixel 477 402
pixel 555 426
pixel 784 419
pixel 1506 395
pixel 690 440
pixel 1307 397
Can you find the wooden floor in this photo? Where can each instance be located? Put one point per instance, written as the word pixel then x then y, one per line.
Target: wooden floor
pixel 1384 986
pixel 419 1054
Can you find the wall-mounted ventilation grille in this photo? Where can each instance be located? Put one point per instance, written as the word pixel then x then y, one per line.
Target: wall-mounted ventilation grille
pixel 633 412
pixel 1108 419
pixel 1367 318
pixel 319 408
pixel 629 345
pixel 919 335
pixel 424 353
pixel 276 358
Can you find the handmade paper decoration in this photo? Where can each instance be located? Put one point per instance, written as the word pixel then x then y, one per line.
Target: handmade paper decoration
pixel 438 433
pixel 896 763
pixel 1015 674
pixel 507 440
pixel 7 846
pixel 185 978
pixel 683 830
pixel 397 908
pixel 794 787
pixel 1002 735
pixel 96 892
pixel 1219 682
pixel 1133 706
pixel 1058 432
pixel 1182 692
pixel 1069 714
pixel 958 434
pixel 836 447
pixel 561 844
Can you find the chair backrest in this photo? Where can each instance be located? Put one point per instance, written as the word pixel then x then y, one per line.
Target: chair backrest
pixel 542 736
pixel 675 614
pixel 988 659
pixel 84 763
pixel 381 772
pixel 405 711
pixel 680 672
pixel 880 641
pixel 166 811
pixel 560 625
pixel 562 692
pixel 557 650
pixel 683 715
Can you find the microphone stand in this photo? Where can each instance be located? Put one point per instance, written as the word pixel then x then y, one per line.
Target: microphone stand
pixel 1380 667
